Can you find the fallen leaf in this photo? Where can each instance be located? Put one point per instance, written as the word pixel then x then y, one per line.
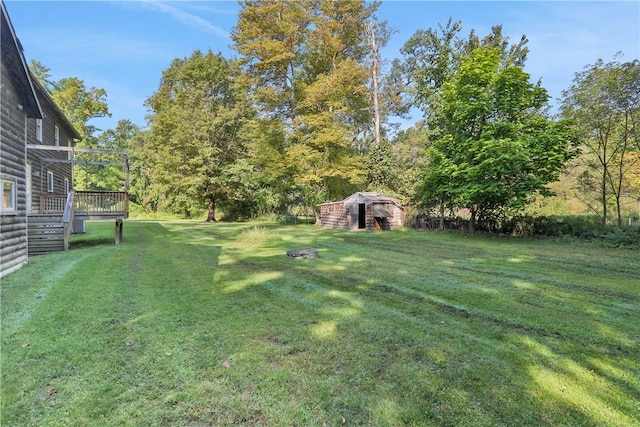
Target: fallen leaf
pixel 167 354
pixel 343 420
pixel 25 345
pixel 226 365
pixel 53 391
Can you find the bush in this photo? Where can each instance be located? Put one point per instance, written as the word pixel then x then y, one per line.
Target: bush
pixel 627 237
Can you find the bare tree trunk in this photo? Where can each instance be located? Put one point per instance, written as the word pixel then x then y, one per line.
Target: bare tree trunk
pixel 374 79
pixel 442 214
pixel 211 214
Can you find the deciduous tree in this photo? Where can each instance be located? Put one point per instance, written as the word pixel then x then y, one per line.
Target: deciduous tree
pixel 196 147
pixel 498 147
pixel 604 102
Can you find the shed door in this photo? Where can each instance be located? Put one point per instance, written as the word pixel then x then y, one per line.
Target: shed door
pixel 362 216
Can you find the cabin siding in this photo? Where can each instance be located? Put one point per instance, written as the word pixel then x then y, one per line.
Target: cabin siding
pixel 13 224
pixel 39 159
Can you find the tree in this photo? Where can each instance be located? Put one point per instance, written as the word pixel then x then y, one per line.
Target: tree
pixel 196 145
pixel 304 62
pixel 111 177
pixel 604 101
pixel 43 74
pixel 79 104
pixel 432 57
pixel 497 147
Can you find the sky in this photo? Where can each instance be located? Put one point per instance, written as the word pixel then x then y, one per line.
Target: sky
pixel 124 46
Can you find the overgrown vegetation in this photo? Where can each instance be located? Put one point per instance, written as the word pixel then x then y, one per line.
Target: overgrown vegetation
pixel 188 323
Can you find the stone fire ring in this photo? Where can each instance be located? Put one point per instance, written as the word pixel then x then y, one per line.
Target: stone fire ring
pixel 302 253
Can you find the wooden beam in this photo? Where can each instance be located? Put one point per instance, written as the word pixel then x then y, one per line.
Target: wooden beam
pixel 74 149
pixel 83 162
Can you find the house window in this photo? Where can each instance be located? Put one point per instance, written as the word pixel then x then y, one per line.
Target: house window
pixel 50 182
pixel 8 195
pixel 39 130
pixel 57 135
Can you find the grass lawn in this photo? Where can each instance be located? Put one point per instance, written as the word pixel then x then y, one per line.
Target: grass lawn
pixel 194 324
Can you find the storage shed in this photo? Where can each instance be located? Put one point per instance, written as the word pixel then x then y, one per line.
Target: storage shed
pixel 363 211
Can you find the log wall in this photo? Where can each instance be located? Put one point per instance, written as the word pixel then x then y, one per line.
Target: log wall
pixel 13 224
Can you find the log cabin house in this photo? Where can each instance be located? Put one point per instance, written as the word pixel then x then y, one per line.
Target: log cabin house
pixel 363 211
pixel 39 205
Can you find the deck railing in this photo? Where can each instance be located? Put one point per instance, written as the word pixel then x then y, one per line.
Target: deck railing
pixel 89 203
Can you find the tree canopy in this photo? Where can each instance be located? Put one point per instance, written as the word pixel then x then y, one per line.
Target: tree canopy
pixel 305 113
pixel 497 147
pixel 604 101
pixel 196 145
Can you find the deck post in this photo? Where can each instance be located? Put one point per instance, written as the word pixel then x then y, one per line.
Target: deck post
pixel 118 231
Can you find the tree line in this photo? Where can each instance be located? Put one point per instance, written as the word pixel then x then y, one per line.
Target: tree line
pixel 305 114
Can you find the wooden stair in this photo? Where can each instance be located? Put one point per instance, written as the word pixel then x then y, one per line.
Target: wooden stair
pixel 46 233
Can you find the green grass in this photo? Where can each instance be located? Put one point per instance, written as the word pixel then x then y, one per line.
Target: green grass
pixel 196 324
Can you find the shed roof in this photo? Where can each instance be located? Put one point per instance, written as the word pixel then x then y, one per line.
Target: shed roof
pixel 367 197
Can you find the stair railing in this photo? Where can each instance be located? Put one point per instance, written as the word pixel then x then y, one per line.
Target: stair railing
pixel 67 219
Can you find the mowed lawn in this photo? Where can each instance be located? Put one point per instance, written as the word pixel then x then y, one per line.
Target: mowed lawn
pixel 195 324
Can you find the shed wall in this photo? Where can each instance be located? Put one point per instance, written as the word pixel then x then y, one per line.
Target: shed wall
pixel 334 215
pixel 345 216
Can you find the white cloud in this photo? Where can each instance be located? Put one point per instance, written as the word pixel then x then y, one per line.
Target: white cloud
pixel 187 18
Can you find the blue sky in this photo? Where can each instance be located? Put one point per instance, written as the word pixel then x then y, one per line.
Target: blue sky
pixel 123 46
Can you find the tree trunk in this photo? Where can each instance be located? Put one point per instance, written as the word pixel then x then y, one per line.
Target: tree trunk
pixel 472 220
pixel 441 214
pixel 211 213
pixel 603 199
pixel 374 80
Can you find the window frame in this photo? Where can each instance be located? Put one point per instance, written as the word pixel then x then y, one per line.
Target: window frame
pixel 50 185
pixel 39 130
pixel 13 199
pixel 56 137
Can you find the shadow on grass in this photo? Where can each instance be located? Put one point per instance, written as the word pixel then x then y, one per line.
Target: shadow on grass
pixel 399 329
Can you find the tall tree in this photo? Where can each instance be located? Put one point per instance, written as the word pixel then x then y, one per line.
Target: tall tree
pixel 304 61
pixel 196 145
pixel 270 37
pixel 604 101
pixel 498 146
pixel 432 57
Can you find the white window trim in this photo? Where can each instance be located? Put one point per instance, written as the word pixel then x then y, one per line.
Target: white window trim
pixel 56 139
pixel 11 205
pixel 66 186
pixel 39 130
pixel 49 182
pixel 29 186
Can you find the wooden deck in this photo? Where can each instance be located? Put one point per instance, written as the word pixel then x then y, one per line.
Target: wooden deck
pixel 50 228
pixel 89 204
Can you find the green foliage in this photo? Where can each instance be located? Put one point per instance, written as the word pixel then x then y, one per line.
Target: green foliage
pixel 604 102
pixel 304 66
pixel 110 177
pixel 583 227
pixel 80 104
pixel 432 57
pixel 497 146
pixel 197 147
